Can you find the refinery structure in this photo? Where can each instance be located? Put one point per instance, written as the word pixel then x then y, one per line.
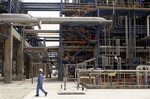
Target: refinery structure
pixel 102 43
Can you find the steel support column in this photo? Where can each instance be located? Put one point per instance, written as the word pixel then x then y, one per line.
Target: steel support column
pixel 131 46
pixel 61 54
pixel 98 41
pixel 9 6
pixel 61 8
pixel 61 46
pixel 98 46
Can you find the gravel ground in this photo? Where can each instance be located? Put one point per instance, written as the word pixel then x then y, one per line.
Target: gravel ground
pixel 17 89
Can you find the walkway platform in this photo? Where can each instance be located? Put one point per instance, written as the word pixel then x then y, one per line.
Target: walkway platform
pixel 54 87
pixel 70 92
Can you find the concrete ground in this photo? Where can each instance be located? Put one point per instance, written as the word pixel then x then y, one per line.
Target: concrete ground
pixel 54 87
pixel 26 90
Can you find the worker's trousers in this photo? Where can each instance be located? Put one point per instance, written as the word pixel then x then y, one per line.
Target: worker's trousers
pixel 40 87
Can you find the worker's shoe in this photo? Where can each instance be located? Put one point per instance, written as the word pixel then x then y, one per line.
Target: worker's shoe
pixel 46 93
pixel 36 95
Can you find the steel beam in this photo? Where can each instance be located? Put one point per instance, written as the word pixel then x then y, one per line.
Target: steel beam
pixel 81 34
pixel 32 6
pixel 41 31
pixel 81 49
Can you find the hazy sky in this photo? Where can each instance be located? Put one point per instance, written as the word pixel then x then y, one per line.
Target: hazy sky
pixel 47 26
pixel 46 14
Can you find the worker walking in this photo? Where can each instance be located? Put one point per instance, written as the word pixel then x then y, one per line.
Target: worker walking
pixel 40 81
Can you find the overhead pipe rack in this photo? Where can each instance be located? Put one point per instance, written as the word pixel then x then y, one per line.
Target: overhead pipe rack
pixel 27 20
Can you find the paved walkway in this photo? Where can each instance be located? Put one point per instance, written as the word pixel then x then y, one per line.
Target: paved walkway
pixel 54 87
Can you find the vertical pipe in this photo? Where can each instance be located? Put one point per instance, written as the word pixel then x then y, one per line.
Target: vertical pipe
pixel 44 42
pixel 137 78
pixel 126 34
pixel 105 41
pixel 130 38
pixel 113 2
pixel 134 35
pixel 3 66
pixel 111 82
pixel 148 25
pixel 106 58
pixel 107 2
pixel 32 73
pixel 130 43
pixel 145 77
pixel 95 3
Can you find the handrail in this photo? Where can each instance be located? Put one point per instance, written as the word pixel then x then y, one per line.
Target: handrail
pixel 114 78
pixel 87 6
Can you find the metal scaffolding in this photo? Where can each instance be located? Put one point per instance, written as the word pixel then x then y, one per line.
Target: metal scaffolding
pixel 88 28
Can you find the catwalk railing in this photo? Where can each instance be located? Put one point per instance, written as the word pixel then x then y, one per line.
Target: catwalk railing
pixel 114 78
pixel 92 6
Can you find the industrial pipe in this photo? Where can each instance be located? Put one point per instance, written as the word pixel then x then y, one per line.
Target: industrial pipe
pixel 19 19
pixel 59 20
pixel 28 20
pixel 126 34
pixel 148 25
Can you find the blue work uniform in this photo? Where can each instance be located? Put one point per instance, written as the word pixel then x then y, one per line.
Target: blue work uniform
pixel 40 84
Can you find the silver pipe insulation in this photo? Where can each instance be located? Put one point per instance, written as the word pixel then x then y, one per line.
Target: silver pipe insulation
pixel 19 19
pixel 148 33
pixel 28 20
pixel 16 16
pixel 59 20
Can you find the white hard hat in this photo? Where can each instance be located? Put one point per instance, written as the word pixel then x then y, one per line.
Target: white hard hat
pixel 41 70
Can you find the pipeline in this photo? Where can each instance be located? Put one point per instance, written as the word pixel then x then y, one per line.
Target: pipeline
pixel 19 20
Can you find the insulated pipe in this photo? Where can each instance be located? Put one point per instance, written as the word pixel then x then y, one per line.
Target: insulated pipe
pixel 148 33
pixel 59 20
pixel 106 1
pixel 16 16
pixel 19 19
pixel 127 39
pixel 28 20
